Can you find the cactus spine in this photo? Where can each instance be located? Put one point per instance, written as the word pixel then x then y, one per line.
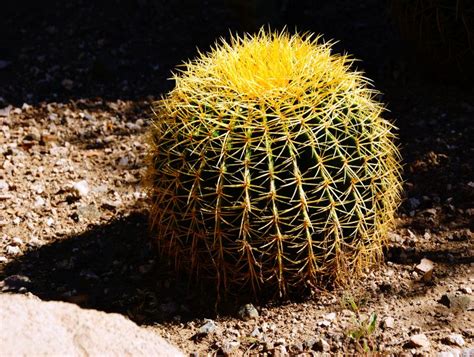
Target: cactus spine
pixel 271 167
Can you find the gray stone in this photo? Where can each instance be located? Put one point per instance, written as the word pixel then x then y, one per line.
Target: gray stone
pixel 248 312
pixel 208 327
pixel 414 202
pixel 31 327
pixel 456 302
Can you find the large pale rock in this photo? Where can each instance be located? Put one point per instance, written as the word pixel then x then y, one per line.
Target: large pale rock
pixel 31 327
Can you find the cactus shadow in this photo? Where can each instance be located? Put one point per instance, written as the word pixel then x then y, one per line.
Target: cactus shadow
pixel 113 268
pixel 411 255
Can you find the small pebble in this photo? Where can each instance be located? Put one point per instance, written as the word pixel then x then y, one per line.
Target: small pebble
pixel 389 322
pixel 419 341
pixel 280 351
pixel 324 323
pixel 454 339
pixel 321 345
pixel 17 241
pixel 13 250
pixel 4 185
pixel 39 201
pixel 331 316
pixel 256 332
pixel 208 327
pixel 228 346
pixel 465 290
pixel 248 312
pixel 81 188
pixel 425 268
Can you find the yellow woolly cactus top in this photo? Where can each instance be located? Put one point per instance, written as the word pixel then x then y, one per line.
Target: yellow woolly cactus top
pixel 268 65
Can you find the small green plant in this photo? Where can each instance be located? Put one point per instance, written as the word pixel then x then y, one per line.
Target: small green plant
pixel 362 332
pixel 271 167
pixel 362 328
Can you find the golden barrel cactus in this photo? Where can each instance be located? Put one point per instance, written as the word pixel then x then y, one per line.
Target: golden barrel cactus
pixel 271 167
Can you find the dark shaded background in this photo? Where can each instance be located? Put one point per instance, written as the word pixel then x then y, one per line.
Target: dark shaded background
pixel 126 48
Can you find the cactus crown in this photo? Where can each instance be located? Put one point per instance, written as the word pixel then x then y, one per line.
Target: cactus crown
pixel 271 167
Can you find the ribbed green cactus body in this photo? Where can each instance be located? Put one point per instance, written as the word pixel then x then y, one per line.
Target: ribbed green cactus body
pixel 279 181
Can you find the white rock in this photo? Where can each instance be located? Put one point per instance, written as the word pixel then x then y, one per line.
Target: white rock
pixel 17 241
pixel 5 196
pixel 256 332
pixel 454 339
pixel 4 186
pixel 38 188
pixel 31 327
pixel 13 250
pixel 465 290
pixel 331 316
pixel 34 242
pixel 389 322
pixel 49 221
pixel 139 195
pixel 419 340
pixel 412 235
pixel 39 201
pixel 455 353
pixel 324 323
pixel 81 188
pixel 425 267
